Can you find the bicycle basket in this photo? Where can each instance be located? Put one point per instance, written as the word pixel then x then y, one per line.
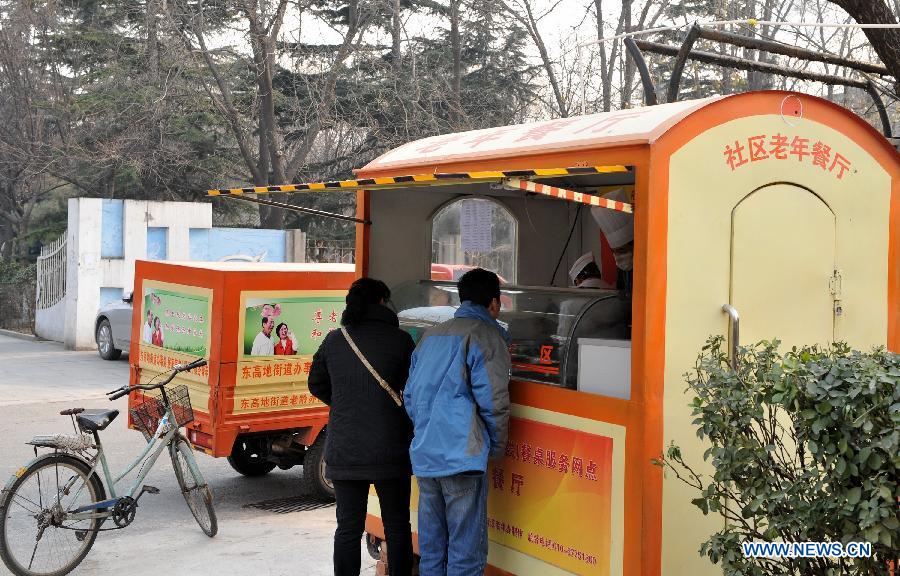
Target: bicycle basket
pixel 146 415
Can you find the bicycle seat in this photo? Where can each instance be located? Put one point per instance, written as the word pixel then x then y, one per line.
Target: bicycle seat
pixel 94 420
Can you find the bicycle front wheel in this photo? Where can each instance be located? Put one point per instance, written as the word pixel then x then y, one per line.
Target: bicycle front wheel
pixel 38 537
pixel 194 489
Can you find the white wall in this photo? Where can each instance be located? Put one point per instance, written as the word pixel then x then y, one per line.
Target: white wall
pixel 87 272
pixel 50 323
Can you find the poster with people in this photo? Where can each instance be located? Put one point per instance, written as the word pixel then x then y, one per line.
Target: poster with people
pixel 175 321
pixel 279 333
pixel 175 327
pixel 289 326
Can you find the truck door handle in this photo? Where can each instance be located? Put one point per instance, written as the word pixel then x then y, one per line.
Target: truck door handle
pixel 735 334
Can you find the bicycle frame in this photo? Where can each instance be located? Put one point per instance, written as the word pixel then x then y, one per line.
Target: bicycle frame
pixel 163 436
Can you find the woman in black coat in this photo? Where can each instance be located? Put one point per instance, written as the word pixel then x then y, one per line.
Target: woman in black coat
pixel 368 432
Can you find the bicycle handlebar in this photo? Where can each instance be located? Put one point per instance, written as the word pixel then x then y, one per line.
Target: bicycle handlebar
pixel 178 368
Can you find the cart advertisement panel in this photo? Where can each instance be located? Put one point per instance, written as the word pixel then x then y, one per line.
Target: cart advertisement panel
pixel 279 333
pixel 551 496
pixel 175 327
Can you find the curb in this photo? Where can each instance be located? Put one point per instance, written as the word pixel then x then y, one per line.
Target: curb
pixel 20 335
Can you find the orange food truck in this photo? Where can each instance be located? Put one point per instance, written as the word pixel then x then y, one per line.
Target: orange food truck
pixel 760 215
pixel 250 401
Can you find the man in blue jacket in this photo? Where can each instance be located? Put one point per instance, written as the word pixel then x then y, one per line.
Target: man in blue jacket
pixel 458 399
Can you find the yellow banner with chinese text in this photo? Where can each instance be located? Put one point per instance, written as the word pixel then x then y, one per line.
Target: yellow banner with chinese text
pixel 154 359
pixel 274 384
pixel 550 476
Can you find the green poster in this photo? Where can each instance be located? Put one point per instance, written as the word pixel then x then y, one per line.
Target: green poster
pixel 289 326
pixel 175 321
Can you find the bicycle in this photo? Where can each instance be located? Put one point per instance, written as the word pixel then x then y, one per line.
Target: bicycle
pixel 59 500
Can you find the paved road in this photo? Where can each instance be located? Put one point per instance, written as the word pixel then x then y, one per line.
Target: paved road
pixel 38 379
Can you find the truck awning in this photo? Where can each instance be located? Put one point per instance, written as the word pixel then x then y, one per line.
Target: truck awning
pixel 522 180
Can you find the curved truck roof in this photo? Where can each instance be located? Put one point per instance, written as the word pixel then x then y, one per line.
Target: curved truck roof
pixel 618 128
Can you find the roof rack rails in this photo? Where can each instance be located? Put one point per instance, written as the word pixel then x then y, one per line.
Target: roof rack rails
pixel 685 52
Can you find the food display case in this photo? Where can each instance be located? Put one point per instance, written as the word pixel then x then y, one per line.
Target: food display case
pixel 546 325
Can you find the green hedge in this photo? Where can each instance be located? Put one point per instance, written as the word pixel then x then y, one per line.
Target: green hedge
pixel 805 446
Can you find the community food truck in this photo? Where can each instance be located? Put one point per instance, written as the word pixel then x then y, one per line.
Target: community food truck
pixel 761 215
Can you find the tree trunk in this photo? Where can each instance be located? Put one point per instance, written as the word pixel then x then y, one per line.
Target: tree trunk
pixel 607 104
pixel 264 59
pixel 152 44
pixel 886 42
pixel 530 24
pixel 455 46
pixel 629 63
pixel 605 84
pixel 395 36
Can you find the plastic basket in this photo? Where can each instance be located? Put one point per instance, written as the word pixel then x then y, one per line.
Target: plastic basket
pixel 146 415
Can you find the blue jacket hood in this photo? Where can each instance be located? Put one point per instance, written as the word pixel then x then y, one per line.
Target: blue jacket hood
pixel 469 309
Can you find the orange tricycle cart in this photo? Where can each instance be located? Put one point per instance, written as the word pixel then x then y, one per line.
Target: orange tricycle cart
pixel 768 214
pixel 258 325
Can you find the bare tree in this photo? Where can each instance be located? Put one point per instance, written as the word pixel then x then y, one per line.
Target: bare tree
pixel 523 12
pixel 886 42
pixel 30 89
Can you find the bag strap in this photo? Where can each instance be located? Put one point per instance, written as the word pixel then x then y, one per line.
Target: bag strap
pixel 387 388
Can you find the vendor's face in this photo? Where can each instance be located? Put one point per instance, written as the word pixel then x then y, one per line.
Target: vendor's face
pixel 267 327
pixel 624 256
pixel 283 333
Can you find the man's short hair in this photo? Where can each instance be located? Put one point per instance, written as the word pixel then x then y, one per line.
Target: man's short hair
pixel 479 286
pixel 265 320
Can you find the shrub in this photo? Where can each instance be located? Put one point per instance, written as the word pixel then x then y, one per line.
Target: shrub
pixel 805 446
pixel 15 273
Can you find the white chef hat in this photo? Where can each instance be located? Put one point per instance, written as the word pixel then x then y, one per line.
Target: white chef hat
pixel 580 265
pixel 618 227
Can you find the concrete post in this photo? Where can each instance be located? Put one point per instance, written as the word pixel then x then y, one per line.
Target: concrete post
pixel 84 273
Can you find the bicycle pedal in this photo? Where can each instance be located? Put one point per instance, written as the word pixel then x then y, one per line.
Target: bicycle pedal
pixel 80 535
pixel 150 489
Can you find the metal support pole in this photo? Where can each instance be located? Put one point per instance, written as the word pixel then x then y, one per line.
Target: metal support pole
pixel 300 209
pixel 785 50
pixel 680 61
pixel 641 64
pixel 743 64
pixel 882 111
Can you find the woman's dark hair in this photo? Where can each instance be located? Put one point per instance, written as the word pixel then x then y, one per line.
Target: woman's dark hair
pixel 278 329
pixel 363 295
pixel 479 286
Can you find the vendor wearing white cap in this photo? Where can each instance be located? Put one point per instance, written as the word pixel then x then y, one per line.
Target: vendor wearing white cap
pixel 585 273
pixel 618 227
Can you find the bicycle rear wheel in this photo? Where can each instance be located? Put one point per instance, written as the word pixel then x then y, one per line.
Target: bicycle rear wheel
pixel 36 536
pixel 194 489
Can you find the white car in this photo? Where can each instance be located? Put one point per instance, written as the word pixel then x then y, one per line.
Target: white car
pixel 112 328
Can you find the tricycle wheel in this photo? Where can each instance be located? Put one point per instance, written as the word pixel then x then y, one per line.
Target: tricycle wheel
pixel 314 481
pixel 248 459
